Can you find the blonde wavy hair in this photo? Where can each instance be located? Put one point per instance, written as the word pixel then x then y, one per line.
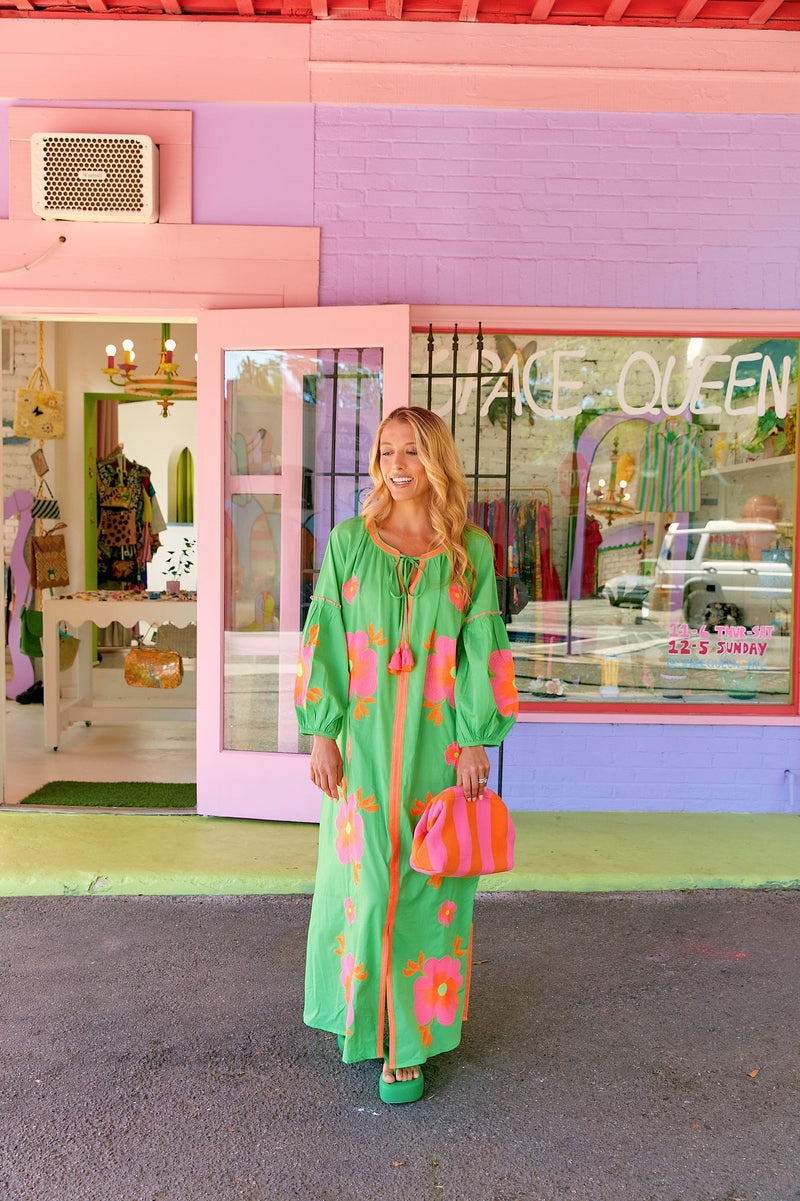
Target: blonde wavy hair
pixel 447 504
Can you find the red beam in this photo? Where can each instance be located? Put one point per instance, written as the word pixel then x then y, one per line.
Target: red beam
pixel 764 12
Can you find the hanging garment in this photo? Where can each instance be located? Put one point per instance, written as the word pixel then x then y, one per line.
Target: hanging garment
pixel 402 672
pixel 127 517
pixel 591 541
pixel 669 480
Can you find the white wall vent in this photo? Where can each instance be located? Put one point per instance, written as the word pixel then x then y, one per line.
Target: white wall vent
pixel 94 177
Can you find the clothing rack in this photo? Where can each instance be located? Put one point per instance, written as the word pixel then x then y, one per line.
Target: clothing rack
pixel 529 489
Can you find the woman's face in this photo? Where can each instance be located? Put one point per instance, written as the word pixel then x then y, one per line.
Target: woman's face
pixel 405 476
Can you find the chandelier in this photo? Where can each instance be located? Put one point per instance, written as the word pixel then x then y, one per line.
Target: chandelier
pixel 610 500
pixel 165 387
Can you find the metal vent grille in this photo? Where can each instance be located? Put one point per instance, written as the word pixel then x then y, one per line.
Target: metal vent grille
pixel 94 177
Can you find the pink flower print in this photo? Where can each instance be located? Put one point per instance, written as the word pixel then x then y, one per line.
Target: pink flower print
pixel 349 974
pixel 440 670
pixel 349 831
pixel 440 675
pixel 350 589
pixel 501 668
pixel 447 912
pixel 458 596
pixel 436 991
pixel 349 911
pixel 363 668
pixel 452 753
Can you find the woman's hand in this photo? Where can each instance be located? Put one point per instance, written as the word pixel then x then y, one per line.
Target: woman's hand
pixel 327 768
pixel 472 771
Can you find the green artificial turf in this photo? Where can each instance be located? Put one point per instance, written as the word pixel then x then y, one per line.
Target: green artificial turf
pixel 133 794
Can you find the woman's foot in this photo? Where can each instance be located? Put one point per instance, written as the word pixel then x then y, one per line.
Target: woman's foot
pixel 399 1085
pixel 391 1075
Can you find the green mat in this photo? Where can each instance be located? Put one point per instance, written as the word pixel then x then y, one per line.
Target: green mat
pixel 133 794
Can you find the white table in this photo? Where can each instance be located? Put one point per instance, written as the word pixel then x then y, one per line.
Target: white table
pixel 103 608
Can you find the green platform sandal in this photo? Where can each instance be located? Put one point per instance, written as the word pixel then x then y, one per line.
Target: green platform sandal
pixel 401 1092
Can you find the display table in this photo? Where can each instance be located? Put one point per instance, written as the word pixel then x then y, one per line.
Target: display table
pixel 101 609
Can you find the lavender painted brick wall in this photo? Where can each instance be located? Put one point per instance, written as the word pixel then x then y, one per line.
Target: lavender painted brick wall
pixel 477 207
pixel 253 164
pixel 698 768
pixel 555 208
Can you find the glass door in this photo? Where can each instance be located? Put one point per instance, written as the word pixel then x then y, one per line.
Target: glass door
pixel 289 402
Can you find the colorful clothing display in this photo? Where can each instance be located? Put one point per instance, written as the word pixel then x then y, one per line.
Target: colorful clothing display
pixel 403 670
pixel 669 479
pixel 521 533
pixel 129 522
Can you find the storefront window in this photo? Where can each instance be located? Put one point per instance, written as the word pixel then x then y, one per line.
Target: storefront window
pixel 641 496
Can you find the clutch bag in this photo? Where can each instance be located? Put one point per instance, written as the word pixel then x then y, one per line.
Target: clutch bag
pixel 457 837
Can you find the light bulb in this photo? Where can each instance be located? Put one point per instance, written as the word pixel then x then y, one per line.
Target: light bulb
pixel 623 483
pixel 601 483
pixel 127 344
pixel 170 344
pixel 111 350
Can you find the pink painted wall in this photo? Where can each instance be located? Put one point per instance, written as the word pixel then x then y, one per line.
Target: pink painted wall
pixel 3 160
pixel 557 208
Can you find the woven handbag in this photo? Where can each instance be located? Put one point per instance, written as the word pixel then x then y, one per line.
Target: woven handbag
pixel 39 410
pixel 457 837
pixel 149 668
pixel 49 567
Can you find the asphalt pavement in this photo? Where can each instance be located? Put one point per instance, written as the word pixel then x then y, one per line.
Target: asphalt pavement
pixel 640 1046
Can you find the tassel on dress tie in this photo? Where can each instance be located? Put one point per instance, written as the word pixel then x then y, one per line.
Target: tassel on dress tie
pixel 402 659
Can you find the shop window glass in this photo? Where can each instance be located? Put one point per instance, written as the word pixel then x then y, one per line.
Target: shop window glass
pixel 641 496
pixel 298 431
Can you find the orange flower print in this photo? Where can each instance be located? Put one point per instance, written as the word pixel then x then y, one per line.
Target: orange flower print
pixel 440 675
pixel 501 670
pixel 363 668
pixel 350 589
pixel 447 912
pixel 458 596
pixel 350 911
pixel 452 753
pixel 302 692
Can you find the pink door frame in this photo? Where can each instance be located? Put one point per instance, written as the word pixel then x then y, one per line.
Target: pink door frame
pixel 257 784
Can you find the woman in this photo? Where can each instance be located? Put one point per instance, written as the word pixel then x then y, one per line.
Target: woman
pixel 404 676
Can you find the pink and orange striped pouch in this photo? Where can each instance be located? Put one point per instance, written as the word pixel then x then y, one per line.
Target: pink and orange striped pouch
pixel 457 837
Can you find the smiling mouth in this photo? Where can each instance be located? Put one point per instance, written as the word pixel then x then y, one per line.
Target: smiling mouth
pixel 399 480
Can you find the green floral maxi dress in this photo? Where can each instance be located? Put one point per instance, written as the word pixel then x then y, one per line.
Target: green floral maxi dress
pixel 403 670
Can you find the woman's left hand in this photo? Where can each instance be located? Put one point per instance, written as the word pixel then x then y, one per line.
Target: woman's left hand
pixel 472 771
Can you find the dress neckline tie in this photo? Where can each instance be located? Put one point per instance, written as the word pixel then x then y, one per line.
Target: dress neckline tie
pixel 402 659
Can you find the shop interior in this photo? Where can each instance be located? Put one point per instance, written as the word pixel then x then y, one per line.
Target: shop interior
pixel 117 487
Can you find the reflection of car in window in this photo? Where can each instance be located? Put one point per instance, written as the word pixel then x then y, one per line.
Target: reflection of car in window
pixel 716 575
pixel 632 588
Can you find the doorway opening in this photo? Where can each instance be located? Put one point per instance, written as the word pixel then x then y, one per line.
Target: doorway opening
pixel 113 747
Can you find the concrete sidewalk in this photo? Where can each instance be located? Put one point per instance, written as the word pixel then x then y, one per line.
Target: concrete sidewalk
pixel 80 852
pixel 620 1048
